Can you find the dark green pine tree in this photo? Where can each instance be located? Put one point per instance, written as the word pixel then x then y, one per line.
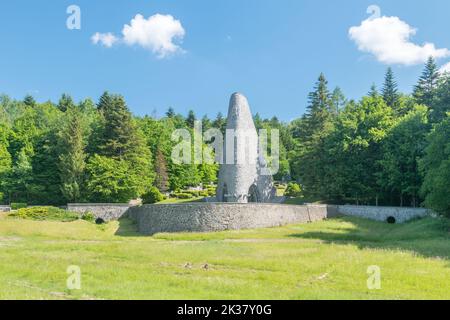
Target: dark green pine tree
pixel 319 110
pixel 390 90
pixel 206 123
pixel 72 161
pixel 170 113
pixel 425 90
pixel 373 93
pixel 105 102
pixel 220 122
pixel 65 103
pixel 191 118
pixel 162 175
pixel 119 130
pixel 29 101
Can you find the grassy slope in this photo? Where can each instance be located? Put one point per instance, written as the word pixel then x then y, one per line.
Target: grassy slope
pixel 327 259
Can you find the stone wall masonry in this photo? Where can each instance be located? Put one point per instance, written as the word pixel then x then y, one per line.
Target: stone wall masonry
pixel 208 217
pixel 5 208
pixel 105 211
pixel 401 214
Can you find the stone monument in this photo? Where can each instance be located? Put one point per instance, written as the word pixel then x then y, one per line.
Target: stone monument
pixel 243 175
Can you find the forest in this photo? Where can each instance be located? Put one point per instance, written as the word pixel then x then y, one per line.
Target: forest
pixel 388 148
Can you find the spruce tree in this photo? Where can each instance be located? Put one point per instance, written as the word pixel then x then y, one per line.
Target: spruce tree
pixel 170 113
pixel 72 161
pixel 190 120
pixel 390 90
pixel 373 93
pixel 65 103
pixel 162 176
pixel 425 90
pixel 29 101
pixel 105 102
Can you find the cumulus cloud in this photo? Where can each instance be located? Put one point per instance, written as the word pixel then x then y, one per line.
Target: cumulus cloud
pixel 157 33
pixel 105 39
pixel 389 40
pixel 445 68
pixel 160 34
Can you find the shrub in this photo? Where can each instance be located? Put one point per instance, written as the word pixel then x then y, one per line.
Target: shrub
pixel 19 205
pixel 204 194
pixel 152 196
pixel 293 190
pixel 45 213
pixel 88 216
pixel 184 195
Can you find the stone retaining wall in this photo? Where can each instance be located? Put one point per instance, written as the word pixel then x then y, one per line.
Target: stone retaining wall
pixel 105 211
pixel 207 217
pixel 401 214
pixel 5 208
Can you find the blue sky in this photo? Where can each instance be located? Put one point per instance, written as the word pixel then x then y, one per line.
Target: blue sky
pixel 272 51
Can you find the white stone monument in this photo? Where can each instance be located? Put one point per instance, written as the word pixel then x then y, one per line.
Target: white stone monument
pixel 240 177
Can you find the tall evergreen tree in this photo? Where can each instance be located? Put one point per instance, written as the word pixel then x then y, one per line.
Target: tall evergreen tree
pixel 72 161
pixel 29 101
pixel 220 122
pixel 170 113
pixel 162 176
pixel 373 93
pixel 425 90
pixel 65 103
pixel 105 102
pixel 390 90
pixel 308 163
pixel 122 169
pixel 191 118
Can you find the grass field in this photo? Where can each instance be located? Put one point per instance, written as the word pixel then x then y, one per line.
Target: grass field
pixel 323 260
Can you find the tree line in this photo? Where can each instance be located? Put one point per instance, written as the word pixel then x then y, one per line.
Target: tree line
pixel 388 148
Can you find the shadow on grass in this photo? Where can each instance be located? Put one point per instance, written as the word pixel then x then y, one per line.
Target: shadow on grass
pixel 128 228
pixel 429 237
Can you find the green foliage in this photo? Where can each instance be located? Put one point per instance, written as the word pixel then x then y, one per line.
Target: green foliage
pixel 45 214
pixel 425 90
pixel 153 196
pixel 72 159
pixel 183 195
pixel 390 91
pixel 18 205
pixel 436 169
pixel 402 148
pixel 111 180
pixel 88 216
pixel 293 190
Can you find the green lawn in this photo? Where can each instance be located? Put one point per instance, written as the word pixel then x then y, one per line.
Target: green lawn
pixel 323 260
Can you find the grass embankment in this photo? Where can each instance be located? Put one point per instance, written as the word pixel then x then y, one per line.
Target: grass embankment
pixel 323 260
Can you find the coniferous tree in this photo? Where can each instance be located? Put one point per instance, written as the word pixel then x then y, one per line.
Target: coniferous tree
pixel 373 93
pixel 390 90
pixel 425 90
pixel 122 169
pixel 105 102
pixel 220 122
pixel 170 113
pixel 65 103
pixel 29 101
pixel 308 163
pixel 191 118
pixel 72 161
pixel 162 176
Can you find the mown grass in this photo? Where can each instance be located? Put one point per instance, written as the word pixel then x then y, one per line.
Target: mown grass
pixel 323 260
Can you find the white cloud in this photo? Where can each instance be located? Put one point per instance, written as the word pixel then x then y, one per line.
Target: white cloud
pixel 105 39
pixel 158 34
pixel 388 39
pixel 445 68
